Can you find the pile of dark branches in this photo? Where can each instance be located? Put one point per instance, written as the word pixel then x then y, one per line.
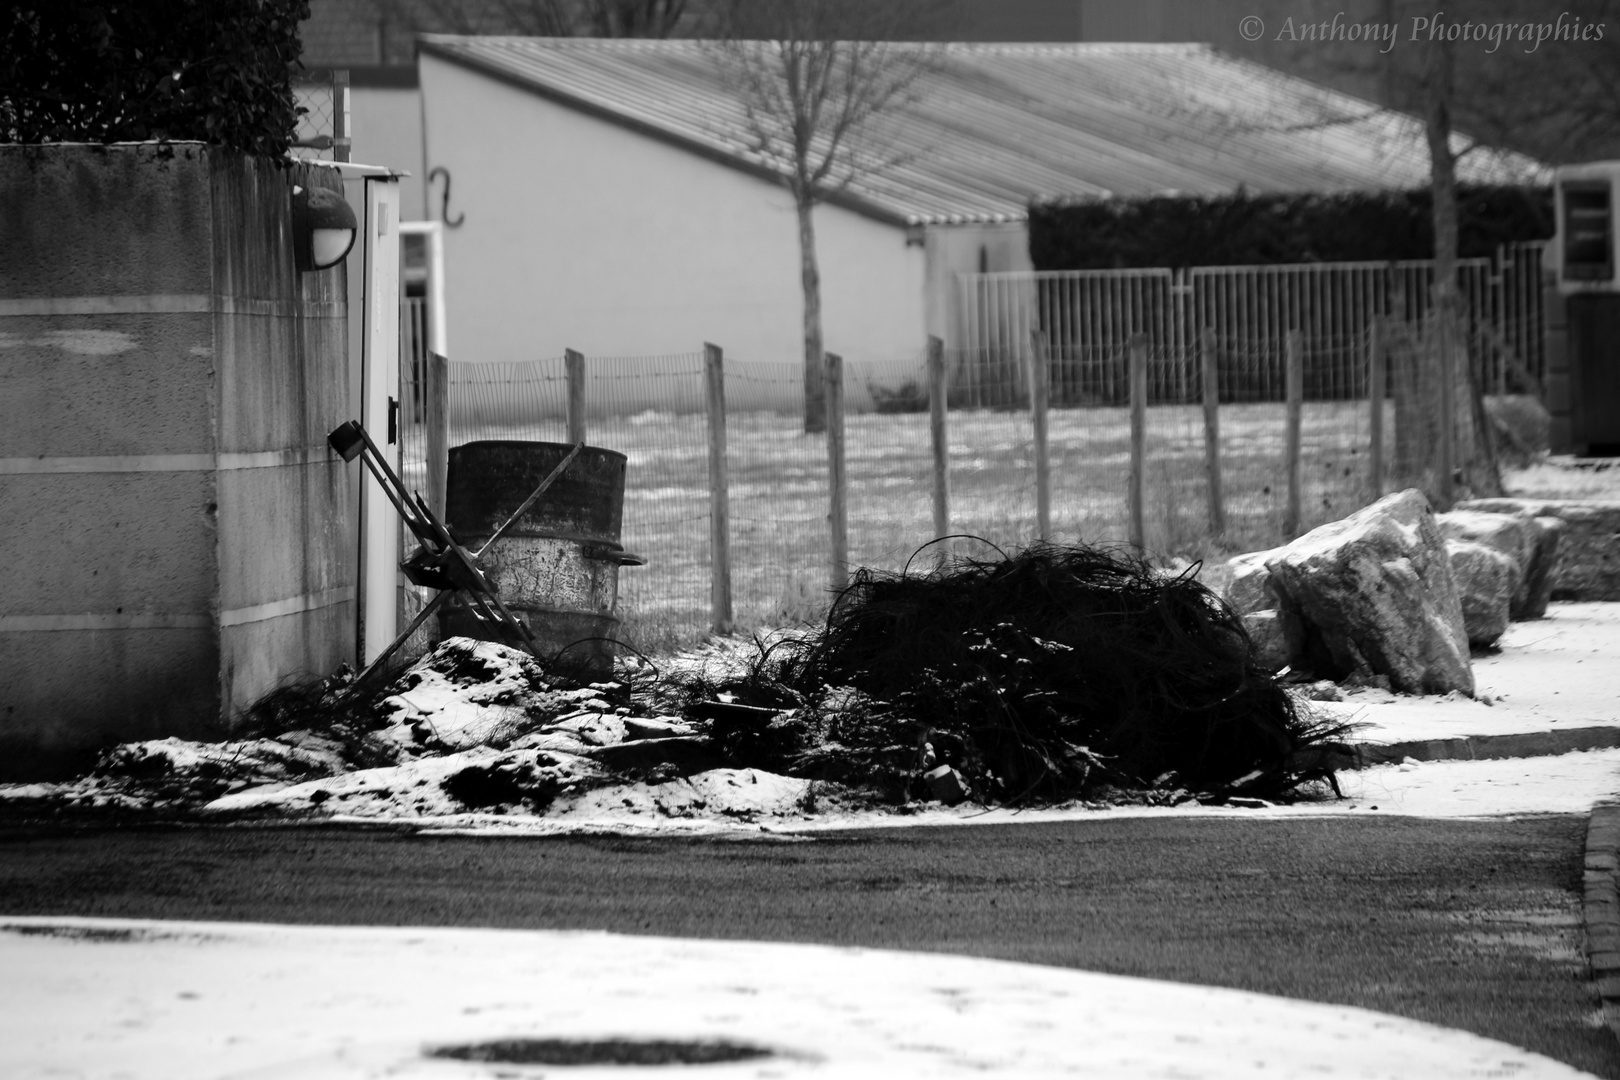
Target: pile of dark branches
pixel 1040 676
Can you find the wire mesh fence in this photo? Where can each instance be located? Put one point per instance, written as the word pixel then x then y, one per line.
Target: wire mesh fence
pixel 1119 468
pixel 322 100
pixel 652 409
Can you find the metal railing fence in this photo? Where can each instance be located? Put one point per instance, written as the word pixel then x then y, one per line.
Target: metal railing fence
pixel 1087 318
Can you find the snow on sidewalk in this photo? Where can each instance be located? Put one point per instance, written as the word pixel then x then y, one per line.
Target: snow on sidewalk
pixel 134 1000
pixel 1562 671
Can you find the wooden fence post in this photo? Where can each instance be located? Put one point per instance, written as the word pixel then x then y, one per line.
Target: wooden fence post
pixel 1138 362
pixel 939 437
pixel 1040 380
pixel 1212 429
pixel 837 485
pixel 1376 382
pixel 1294 381
pixel 714 382
pixel 436 422
pixel 574 362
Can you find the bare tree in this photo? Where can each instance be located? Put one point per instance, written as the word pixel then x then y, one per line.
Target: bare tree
pixel 1510 91
pixel 812 76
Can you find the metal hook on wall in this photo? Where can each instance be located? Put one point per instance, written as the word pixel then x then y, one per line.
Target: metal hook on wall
pixel 444 202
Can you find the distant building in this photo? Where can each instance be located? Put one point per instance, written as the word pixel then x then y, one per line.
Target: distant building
pixel 609 201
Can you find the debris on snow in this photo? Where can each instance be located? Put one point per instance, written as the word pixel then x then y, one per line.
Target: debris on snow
pixel 1035 676
pixel 1052 674
pixel 478 778
pixel 744 794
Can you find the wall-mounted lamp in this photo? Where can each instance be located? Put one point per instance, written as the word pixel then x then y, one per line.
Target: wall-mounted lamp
pixel 324 228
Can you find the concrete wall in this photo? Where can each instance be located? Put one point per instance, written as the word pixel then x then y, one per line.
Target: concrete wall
pixel 177 531
pixel 581 233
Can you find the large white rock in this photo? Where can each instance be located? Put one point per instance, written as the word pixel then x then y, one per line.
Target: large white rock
pixel 1249 586
pixel 1487 579
pixel 1376 590
pixel 1587 565
pixel 1276 636
pixel 1532 543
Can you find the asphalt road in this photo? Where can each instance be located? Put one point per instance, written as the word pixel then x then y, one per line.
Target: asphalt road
pixel 1474 925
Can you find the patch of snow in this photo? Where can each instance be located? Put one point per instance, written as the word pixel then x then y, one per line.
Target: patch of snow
pixel 270 758
pixel 407 791
pixel 594 728
pixel 563 742
pixel 199 999
pixel 719 793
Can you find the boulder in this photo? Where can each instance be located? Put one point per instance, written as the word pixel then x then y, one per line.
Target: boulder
pixel 1376 591
pixel 1486 581
pixel 1532 542
pixel 1513 535
pixel 1536 589
pixel 1277 637
pixel 1587 565
pixel 1249 586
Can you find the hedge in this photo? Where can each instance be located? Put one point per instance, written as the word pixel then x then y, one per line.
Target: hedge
pixel 218 71
pixel 1245 230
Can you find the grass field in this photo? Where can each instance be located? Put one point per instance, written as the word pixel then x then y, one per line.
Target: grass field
pixel 779 501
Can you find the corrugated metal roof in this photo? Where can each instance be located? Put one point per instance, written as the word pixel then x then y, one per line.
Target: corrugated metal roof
pixel 988 127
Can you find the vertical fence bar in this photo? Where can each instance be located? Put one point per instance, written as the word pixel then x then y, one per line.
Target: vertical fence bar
pixel 939 437
pixel 1039 387
pixel 1137 362
pixel 1375 400
pixel 1294 381
pixel 574 363
pixel 714 399
pixel 837 482
pixel 1212 428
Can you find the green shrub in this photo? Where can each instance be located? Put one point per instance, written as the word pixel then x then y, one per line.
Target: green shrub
pixel 216 71
pixel 1245 229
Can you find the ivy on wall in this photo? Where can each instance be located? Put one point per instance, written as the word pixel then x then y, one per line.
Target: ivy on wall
pixel 1244 229
pixel 218 71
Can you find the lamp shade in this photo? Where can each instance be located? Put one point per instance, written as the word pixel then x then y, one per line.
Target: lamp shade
pixel 324 228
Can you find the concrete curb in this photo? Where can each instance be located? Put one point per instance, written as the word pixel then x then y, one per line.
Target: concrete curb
pixel 1601 906
pixel 1489 747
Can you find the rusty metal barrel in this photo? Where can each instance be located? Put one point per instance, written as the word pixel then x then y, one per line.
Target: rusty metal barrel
pixel 557 568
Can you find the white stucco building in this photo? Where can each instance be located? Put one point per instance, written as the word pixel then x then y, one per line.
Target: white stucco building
pixel 609 200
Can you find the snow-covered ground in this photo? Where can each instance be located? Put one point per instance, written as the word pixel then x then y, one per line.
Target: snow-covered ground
pixel 106 999
pixel 132 1000
pixel 1549 676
